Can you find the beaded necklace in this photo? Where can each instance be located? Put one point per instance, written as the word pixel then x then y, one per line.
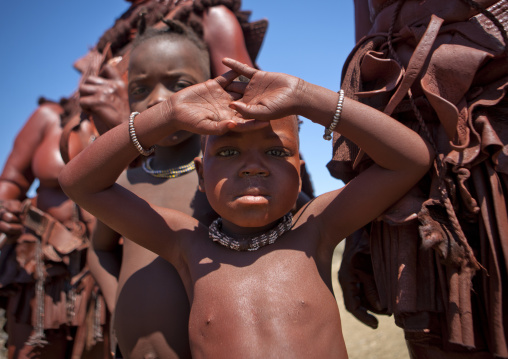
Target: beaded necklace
pixel 250 243
pixel 169 173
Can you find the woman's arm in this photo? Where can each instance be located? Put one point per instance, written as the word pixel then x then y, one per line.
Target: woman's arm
pixel 362 19
pixel 17 173
pixel 105 97
pixel 224 37
pixel 104 260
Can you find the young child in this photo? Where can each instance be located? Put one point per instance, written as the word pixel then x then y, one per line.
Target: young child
pixel 258 281
pixel 142 289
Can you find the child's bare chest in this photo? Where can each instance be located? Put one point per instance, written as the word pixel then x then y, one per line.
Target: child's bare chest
pixel 276 277
pixel 274 294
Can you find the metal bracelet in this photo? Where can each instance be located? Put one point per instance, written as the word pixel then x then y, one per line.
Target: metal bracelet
pixel 134 138
pixel 336 118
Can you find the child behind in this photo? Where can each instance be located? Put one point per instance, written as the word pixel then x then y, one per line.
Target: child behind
pixel 148 299
pixel 272 298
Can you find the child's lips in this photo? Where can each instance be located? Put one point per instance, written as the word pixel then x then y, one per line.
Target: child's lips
pixel 253 195
pixel 250 199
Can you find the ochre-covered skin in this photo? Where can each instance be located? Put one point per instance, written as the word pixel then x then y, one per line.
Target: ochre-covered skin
pixel 148 299
pixel 439 264
pixel 145 293
pixel 36 155
pixel 277 301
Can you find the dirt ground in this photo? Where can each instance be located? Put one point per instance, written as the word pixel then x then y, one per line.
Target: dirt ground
pixel 385 342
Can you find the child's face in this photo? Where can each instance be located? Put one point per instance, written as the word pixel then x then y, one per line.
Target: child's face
pixel 252 178
pixel 158 68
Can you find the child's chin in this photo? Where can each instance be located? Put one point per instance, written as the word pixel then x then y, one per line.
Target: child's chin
pixel 175 139
pixel 253 224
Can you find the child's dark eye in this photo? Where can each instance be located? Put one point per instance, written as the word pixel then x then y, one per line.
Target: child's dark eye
pixel 138 90
pixel 180 85
pixel 227 152
pixel 278 152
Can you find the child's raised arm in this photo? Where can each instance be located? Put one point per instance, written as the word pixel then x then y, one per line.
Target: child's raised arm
pixel 89 179
pixel 402 157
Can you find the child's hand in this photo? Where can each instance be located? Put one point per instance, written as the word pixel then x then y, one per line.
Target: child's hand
pixel 204 108
pixel 105 98
pixel 268 95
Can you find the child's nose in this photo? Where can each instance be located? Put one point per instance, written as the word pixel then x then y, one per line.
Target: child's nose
pixel 251 170
pixel 158 95
pixel 254 173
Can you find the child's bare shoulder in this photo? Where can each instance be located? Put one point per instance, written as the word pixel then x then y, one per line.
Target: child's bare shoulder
pixel 318 205
pixel 324 214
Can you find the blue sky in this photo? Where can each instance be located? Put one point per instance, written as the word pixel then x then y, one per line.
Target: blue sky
pixel 42 39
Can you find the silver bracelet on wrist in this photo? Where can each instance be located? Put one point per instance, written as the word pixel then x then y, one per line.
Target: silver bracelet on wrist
pixel 134 138
pixel 336 118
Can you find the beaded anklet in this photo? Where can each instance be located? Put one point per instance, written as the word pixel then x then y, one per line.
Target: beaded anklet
pixel 253 243
pixel 169 173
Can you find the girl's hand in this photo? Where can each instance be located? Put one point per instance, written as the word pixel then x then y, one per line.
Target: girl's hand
pixel 204 108
pixel 268 95
pixel 105 97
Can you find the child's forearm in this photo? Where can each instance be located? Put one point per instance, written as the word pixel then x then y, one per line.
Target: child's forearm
pixel 271 95
pixel 99 165
pixel 389 143
pixel 202 108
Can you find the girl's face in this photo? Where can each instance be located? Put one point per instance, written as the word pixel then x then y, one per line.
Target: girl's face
pixel 159 67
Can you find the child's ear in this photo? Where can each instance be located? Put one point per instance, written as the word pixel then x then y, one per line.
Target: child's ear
pixel 198 161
